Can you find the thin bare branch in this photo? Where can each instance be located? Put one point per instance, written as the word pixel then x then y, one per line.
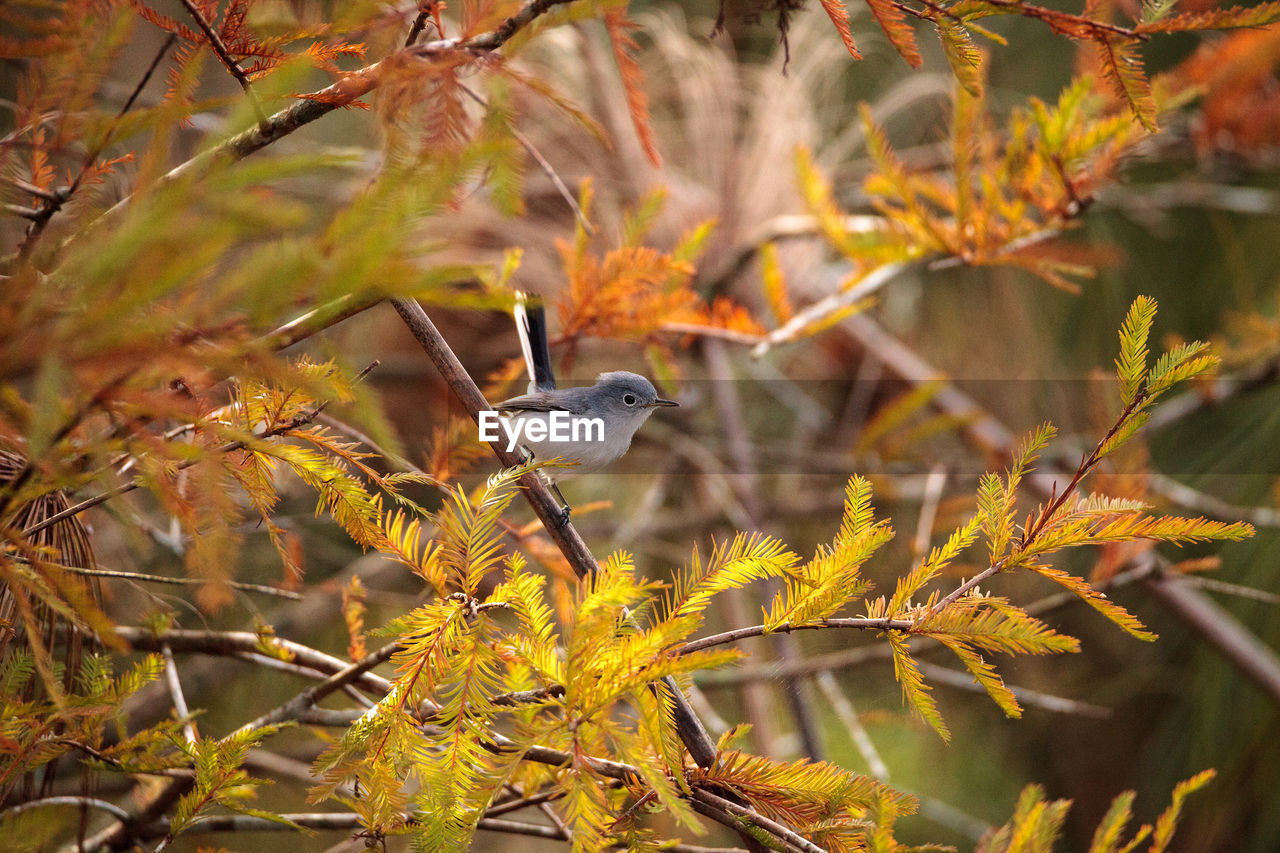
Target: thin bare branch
pixel 1206 504
pixel 731 335
pixel 1233 589
pixel 32 189
pixel 35 214
pixel 520 802
pixel 180 708
pixel 836 302
pixel 55 200
pixel 1254 659
pixel 347 821
pixel 1025 695
pixel 1011 248
pixel 863 623
pixel 706 799
pixel 425 11
pixel 78 802
pixel 933 486
pixel 231 643
pixel 309 697
pixel 262 589
pixel 839 702
pixel 225 57
pixel 543 164
pixel 317 320
pixel 508 28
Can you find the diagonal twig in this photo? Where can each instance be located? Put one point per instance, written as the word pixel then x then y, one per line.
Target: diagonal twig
pixel 1025 695
pixel 179 698
pixel 836 302
pixel 224 55
pixel 166 579
pixel 715 807
pixel 428 12
pixel 54 201
pixel 543 164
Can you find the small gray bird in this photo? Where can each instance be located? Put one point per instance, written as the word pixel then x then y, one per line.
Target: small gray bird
pixel 588 426
pixel 585 427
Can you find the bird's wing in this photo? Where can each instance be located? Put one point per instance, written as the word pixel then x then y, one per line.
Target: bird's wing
pixel 572 400
pixel 535 402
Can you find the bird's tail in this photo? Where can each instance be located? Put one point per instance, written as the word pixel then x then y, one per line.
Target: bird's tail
pixel 531 326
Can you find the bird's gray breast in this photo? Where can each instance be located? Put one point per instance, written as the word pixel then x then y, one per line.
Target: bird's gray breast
pixel 591 442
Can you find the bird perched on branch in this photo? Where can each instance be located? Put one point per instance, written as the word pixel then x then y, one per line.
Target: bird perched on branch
pixel 586 428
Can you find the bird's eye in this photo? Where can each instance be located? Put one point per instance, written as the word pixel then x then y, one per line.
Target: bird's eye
pixel 629 399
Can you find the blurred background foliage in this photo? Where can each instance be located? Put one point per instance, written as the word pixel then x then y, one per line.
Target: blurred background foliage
pixel 1190 219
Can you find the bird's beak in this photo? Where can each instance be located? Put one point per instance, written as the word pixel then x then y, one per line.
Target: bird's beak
pixel 661 402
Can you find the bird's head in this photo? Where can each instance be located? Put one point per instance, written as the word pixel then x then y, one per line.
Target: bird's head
pixel 627 396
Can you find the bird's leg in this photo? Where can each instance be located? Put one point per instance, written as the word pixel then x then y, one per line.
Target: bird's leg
pixel 565 509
